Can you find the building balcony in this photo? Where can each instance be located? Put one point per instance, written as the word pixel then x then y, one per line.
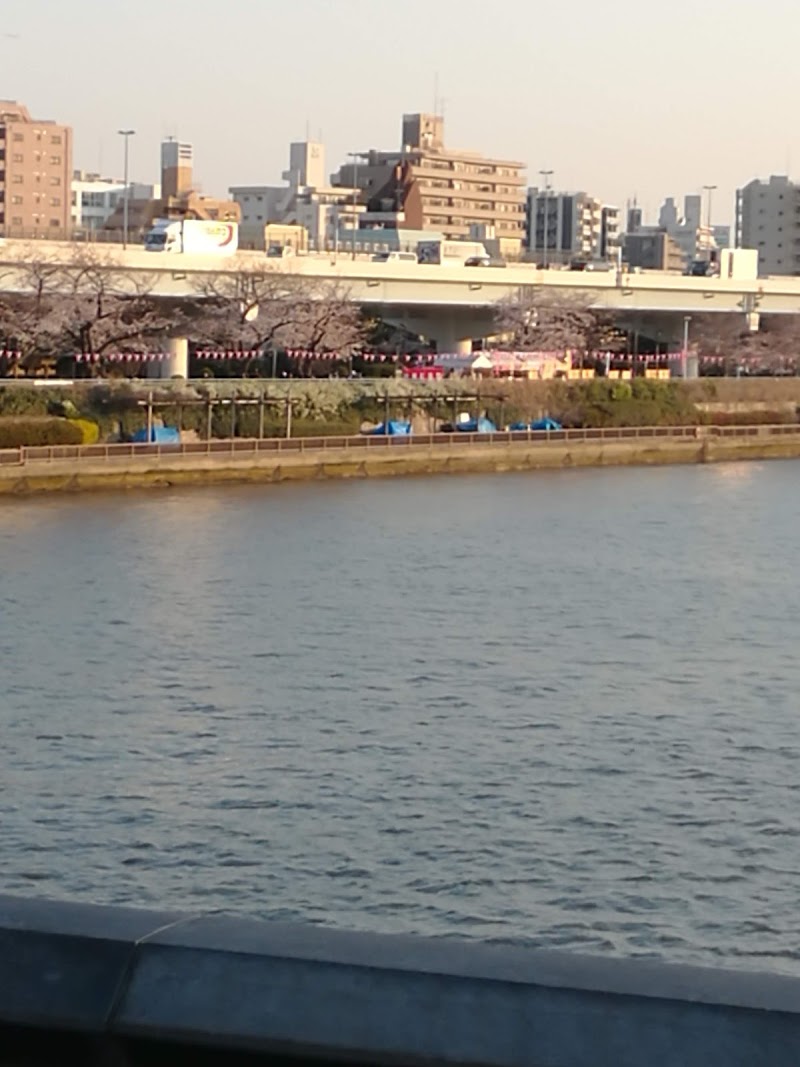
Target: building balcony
pixel 457 172
pixel 471 192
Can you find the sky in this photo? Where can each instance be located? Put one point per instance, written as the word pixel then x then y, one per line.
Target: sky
pixel 621 98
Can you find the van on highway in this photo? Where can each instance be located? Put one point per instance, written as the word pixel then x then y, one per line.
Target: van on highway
pixel 394 257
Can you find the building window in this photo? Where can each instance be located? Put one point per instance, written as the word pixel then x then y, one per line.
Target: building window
pixel 16 199
pixel 16 220
pixel 19 137
pixel 18 157
pixel 55 139
pixel 55 201
pixel 17 179
pixel 55 181
pixel 55 161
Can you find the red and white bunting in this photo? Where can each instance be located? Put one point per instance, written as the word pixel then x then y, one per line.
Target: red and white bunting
pixel 206 353
pixel 120 357
pixel 9 353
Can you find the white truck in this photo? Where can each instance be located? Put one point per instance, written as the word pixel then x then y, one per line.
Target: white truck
pixel 453 253
pixel 193 237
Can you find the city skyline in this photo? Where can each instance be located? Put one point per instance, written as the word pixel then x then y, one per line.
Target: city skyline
pixel 270 75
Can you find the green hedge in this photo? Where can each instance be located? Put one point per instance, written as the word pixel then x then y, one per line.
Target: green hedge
pixel 15 433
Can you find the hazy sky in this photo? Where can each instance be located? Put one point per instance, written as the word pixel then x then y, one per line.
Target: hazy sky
pixel 618 97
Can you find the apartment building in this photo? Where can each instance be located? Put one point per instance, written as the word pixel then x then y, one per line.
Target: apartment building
pixel 768 220
pixel 177 197
pixel 424 185
pixel 35 174
pixel 566 227
pixel 95 198
pixel 329 213
pixel 652 248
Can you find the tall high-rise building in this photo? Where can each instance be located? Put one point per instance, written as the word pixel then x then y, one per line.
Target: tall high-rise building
pixel 768 219
pixel 35 174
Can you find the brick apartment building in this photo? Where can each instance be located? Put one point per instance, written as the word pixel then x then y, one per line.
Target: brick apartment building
pixel 35 174
pixel 427 186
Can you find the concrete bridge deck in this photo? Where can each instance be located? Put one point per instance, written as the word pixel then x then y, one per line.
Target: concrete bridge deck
pixel 411 285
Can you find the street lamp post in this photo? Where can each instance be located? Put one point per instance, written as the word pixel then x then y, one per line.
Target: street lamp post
pixel 126 135
pixel 685 354
pixel 546 176
pixel 709 189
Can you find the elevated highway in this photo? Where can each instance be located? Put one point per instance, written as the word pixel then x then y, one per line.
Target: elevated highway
pixel 449 304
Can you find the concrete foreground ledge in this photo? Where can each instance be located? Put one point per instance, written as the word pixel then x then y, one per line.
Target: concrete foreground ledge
pixel 309 993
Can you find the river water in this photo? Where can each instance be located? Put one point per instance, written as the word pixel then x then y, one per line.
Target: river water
pixel 550 709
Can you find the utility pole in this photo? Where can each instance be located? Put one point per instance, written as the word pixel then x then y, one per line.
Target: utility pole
pixel 546 175
pixel 126 135
pixel 355 156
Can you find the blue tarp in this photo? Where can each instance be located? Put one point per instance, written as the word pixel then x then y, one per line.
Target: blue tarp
pixel 476 426
pixel 392 429
pixel 159 435
pixel 539 424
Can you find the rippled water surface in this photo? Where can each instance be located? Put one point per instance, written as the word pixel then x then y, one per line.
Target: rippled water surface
pixel 558 709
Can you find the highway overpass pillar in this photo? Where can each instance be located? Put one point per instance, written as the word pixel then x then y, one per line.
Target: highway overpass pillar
pixel 447 340
pixel 176 365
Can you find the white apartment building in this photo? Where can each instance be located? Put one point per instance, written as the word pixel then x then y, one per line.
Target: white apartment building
pixel 306 199
pixel 768 220
pixel 95 199
pixel 562 227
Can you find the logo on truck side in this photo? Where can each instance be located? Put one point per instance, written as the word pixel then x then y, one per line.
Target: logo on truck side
pixel 224 231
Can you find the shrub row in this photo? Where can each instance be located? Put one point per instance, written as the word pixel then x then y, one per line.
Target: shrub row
pixel 14 433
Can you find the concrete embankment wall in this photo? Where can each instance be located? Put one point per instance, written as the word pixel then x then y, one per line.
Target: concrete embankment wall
pixel 98 985
pixel 200 469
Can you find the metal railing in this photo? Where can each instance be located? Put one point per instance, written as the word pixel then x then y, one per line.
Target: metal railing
pixel 244 446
